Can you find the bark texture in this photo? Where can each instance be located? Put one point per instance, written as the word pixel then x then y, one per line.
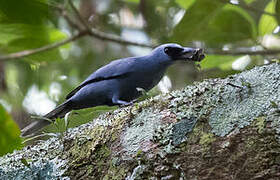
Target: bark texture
pixel 215 129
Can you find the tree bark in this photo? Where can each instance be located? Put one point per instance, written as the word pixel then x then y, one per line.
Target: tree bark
pixel 215 129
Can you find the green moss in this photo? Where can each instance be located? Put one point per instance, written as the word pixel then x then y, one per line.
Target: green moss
pixel 116 173
pixel 206 139
pixel 260 123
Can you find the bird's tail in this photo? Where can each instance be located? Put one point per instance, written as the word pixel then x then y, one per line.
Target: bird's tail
pixel 58 112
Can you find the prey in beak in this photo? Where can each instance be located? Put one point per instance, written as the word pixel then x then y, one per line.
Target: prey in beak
pixel 191 54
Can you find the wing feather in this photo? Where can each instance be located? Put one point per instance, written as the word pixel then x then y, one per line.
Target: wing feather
pixel 116 69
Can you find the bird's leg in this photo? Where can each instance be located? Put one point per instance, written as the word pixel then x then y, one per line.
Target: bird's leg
pixel 121 103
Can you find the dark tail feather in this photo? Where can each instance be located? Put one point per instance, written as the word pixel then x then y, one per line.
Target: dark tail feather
pixel 58 112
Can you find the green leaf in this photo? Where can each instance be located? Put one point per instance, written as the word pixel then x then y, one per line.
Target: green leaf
pixel 248 1
pixel 232 24
pixel 10 32
pixel 19 37
pixel 26 26
pixel 185 3
pixel 24 11
pixel 268 23
pixel 195 20
pixel 214 23
pixel 277 11
pixel 132 1
pixel 29 43
pixel 215 61
pixel 78 117
pixel 9 133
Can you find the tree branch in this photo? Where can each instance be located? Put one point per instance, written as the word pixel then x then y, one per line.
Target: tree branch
pixel 114 38
pixel 79 16
pixel 243 52
pixel 25 53
pixel 101 35
pixel 253 9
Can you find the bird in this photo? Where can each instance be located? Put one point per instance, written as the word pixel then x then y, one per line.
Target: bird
pixel 118 82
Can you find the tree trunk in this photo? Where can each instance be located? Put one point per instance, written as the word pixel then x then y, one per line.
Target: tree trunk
pixel 215 129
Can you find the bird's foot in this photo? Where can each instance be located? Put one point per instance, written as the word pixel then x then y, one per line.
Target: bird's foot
pixel 127 103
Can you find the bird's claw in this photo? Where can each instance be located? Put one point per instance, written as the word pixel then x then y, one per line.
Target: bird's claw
pixel 128 103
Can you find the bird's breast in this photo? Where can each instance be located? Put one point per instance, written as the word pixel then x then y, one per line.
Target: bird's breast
pixel 145 80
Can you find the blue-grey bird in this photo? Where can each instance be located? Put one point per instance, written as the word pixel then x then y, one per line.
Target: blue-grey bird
pixel 117 82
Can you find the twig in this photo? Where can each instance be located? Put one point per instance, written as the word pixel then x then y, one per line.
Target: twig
pixel 70 21
pixel 114 38
pixel 25 53
pixel 79 16
pixel 243 52
pixel 234 85
pixel 250 8
pixel 101 35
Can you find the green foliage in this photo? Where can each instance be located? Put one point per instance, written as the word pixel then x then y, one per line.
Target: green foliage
pixel 248 1
pixel 195 20
pixel 9 133
pixel 215 23
pixel 77 118
pixel 277 11
pixel 185 4
pixel 268 23
pixel 24 11
pixel 222 62
pixel 26 25
pixel 132 1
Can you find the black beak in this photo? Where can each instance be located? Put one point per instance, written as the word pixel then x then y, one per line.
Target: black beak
pixel 192 54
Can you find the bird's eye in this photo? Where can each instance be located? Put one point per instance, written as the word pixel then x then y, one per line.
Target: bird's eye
pixel 166 50
pixel 173 51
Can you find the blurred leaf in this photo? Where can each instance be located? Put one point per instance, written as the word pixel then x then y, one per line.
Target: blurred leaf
pixel 277 11
pixel 196 19
pixel 155 15
pixel 268 23
pixel 29 43
pixel 79 117
pixel 9 32
pixel 132 1
pixel 20 30
pixel 9 133
pixel 19 37
pixel 214 61
pixel 230 25
pixel 185 3
pixel 248 1
pixel 214 23
pixel 23 11
pixel 86 115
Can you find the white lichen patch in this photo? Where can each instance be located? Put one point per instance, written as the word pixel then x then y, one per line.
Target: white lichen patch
pixel 238 107
pixel 141 130
pixel 44 161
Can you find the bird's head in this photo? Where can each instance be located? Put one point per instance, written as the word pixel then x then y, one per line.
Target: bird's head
pixel 173 52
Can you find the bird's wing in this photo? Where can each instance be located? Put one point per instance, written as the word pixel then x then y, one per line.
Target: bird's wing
pixel 115 69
